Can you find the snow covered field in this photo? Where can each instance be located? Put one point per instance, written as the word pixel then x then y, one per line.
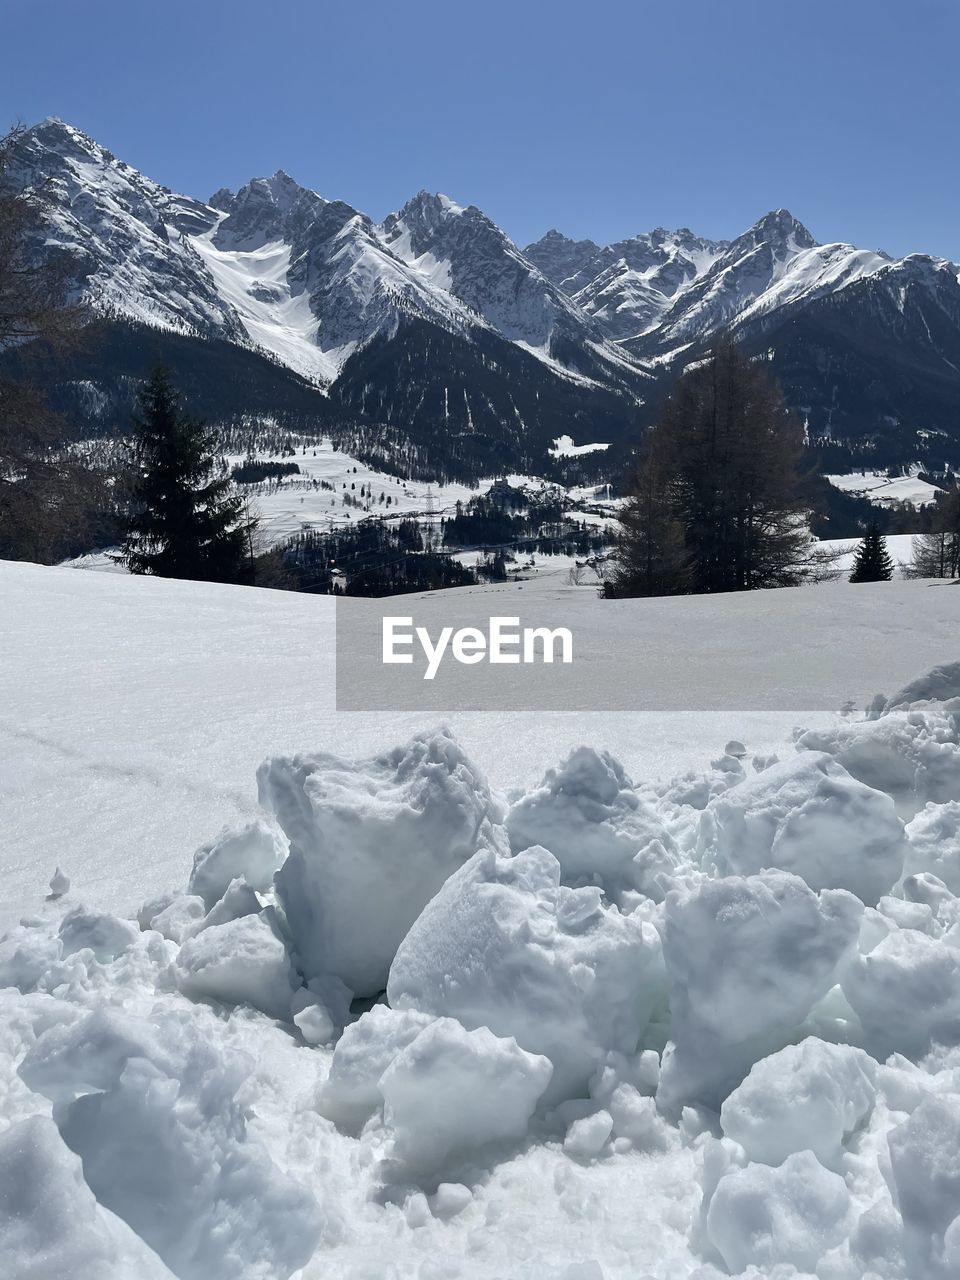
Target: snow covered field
pixel 298 502
pixel 884 491
pixel 657 1006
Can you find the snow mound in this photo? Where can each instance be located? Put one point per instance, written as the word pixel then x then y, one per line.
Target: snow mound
pixel 371 842
pixel 590 817
pixel 239 962
pixel 150 1107
pixel 253 853
pixel 807 815
pixel 746 959
pixel 50 1222
pixel 451 1091
pixel 504 945
pixel 808 1097
pixel 764 1217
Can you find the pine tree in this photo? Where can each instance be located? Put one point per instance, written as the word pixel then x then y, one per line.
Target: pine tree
pixel 871 562
pixel 184 521
pixel 719 502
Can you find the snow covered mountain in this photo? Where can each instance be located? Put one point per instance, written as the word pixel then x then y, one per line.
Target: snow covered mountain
pixel 629 285
pixel 867 347
pixel 434 331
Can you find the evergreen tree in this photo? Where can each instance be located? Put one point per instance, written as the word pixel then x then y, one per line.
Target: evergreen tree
pixel 184 521
pixel 718 504
pixel 871 562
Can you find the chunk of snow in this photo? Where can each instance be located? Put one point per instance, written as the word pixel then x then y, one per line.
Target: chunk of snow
pixel 906 992
pixel 450 1199
pixel 912 754
pixel 164 1145
pixel 315 1023
pixel 253 853
pixel 586 1137
pixel 808 1096
pixel 178 918
pixel 747 958
pixel 371 842
pixel 239 962
pixel 587 813
pixel 504 945
pixel 451 1091
pixel 351 1093
pixel 636 1119
pixel 50 1223
pixel 925 1179
pixel 105 935
pixel 759 1216
pixel 238 900
pixel 933 843
pixel 59 884
pixel 807 815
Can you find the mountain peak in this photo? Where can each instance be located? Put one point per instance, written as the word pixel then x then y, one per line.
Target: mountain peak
pixel 781 224
pixel 57 135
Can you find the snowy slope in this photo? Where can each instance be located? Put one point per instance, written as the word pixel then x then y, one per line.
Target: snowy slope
pixel 111 654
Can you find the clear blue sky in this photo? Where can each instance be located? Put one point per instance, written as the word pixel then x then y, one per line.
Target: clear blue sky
pixel 600 117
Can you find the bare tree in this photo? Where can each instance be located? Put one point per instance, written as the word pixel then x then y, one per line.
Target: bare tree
pixel 936 554
pixel 48 493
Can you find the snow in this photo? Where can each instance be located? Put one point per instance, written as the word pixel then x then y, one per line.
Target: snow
pixel 631 1025
pixel 254 852
pixel 884 490
pixel 207 1199
pixel 807 815
pixel 370 843
pixel 505 946
pixel 925 1178
pixel 564 447
pixel 933 837
pixel 588 814
pixel 295 502
pixel 50 1222
pixel 810 1096
pixel 452 1090
pixel 747 958
pixel 241 961
pixel 789 1216
pixel 255 283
